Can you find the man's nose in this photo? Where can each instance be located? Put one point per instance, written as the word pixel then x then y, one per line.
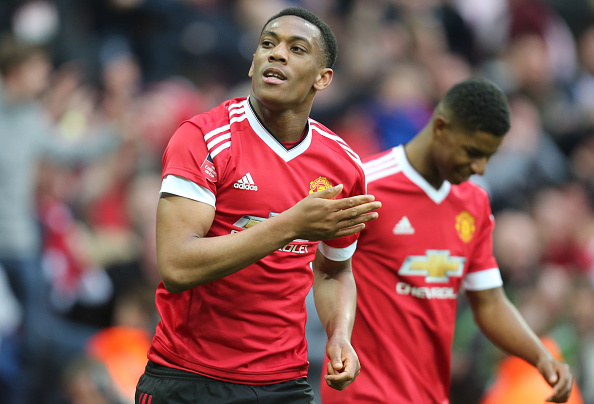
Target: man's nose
pixel 279 53
pixel 479 165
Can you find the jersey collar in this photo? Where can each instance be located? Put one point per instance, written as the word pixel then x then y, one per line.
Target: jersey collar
pixel 437 195
pixel 271 141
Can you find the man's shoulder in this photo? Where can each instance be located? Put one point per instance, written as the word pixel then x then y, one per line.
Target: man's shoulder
pixel 219 116
pixel 470 189
pixel 331 140
pixel 383 164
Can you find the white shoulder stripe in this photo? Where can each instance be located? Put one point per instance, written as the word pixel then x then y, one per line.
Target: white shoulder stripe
pixel 219 149
pixel 337 139
pixel 216 131
pixel 340 142
pixel 236 111
pixel 237 118
pixel 380 160
pixel 218 140
pixel 386 164
pixel 214 138
pixel 376 175
pixel 237 105
pixel 381 167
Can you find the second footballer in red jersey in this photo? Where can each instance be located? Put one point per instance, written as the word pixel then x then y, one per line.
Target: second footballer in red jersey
pixel 431 242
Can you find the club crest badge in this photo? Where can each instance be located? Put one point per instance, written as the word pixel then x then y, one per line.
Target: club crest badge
pixel 465 226
pixel 319 184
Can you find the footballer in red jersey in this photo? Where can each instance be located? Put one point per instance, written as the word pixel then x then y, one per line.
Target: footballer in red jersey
pixel 432 241
pixel 225 158
pixel 249 190
pixel 431 257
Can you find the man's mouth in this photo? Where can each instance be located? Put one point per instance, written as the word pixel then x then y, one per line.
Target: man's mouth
pixel 274 76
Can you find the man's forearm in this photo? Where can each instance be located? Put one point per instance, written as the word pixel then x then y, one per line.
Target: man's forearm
pixel 501 322
pixel 187 258
pixel 199 260
pixel 335 296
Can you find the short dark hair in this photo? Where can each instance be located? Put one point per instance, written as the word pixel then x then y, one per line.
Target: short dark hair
pixel 15 52
pixel 478 104
pixel 329 43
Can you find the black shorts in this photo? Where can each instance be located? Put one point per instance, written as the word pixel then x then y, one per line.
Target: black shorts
pixel 164 385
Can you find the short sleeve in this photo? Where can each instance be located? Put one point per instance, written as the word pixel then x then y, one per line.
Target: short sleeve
pixel 331 249
pixel 483 272
pixel 172 184
pixel 187 156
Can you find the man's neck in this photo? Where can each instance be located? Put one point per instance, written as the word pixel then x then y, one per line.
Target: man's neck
pixel 287 126
pixel 417 151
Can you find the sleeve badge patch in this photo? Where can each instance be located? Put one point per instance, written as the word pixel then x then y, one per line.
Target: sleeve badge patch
pixel 209 170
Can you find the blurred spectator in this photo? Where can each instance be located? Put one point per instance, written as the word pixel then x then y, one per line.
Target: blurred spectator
pixel 87 381
pixel 565 224
pixel 122 347
pixel 404 103
pixel 518 249
pixel 10 320
pixel 27 136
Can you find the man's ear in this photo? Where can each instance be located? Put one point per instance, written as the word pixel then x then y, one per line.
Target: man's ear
pixel 324 79
pixel 440 125
pixel 251 71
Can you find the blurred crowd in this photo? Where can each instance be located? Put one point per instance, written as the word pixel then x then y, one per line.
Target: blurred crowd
pixel 103 84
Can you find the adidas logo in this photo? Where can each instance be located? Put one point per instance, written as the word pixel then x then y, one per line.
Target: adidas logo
pixel 246 182
pixel 403 227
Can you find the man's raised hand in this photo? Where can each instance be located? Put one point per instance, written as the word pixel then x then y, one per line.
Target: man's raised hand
pixel 321 217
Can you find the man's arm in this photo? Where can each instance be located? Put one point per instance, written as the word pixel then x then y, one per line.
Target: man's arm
pixel 187 258
pixel 335 295
pixel 501 322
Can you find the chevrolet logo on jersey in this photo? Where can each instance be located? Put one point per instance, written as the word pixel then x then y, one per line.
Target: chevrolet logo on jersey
pixel 435 266
pixel 247 221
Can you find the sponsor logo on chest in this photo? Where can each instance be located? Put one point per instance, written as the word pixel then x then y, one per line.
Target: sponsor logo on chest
pixel 297 246
pixel 436 266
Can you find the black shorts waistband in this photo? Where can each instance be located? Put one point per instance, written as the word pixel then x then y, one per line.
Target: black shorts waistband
pixel 165 371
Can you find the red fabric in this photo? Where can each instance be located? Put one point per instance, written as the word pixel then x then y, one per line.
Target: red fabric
pixel 249 327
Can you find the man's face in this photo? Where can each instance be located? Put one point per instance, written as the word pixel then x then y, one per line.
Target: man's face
pixel 288 64
pixel 32 76
pixel 458 154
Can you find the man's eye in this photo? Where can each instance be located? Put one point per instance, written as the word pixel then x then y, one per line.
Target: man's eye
pixel 298 49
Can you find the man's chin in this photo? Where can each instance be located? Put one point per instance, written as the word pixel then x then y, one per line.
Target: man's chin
pixel 458 179
pixel 273 98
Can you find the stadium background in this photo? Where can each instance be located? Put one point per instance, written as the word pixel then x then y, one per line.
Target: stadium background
pixel 145 65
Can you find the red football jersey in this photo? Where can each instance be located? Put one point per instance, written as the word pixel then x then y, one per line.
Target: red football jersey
pixel 409 266
pixel 249 327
